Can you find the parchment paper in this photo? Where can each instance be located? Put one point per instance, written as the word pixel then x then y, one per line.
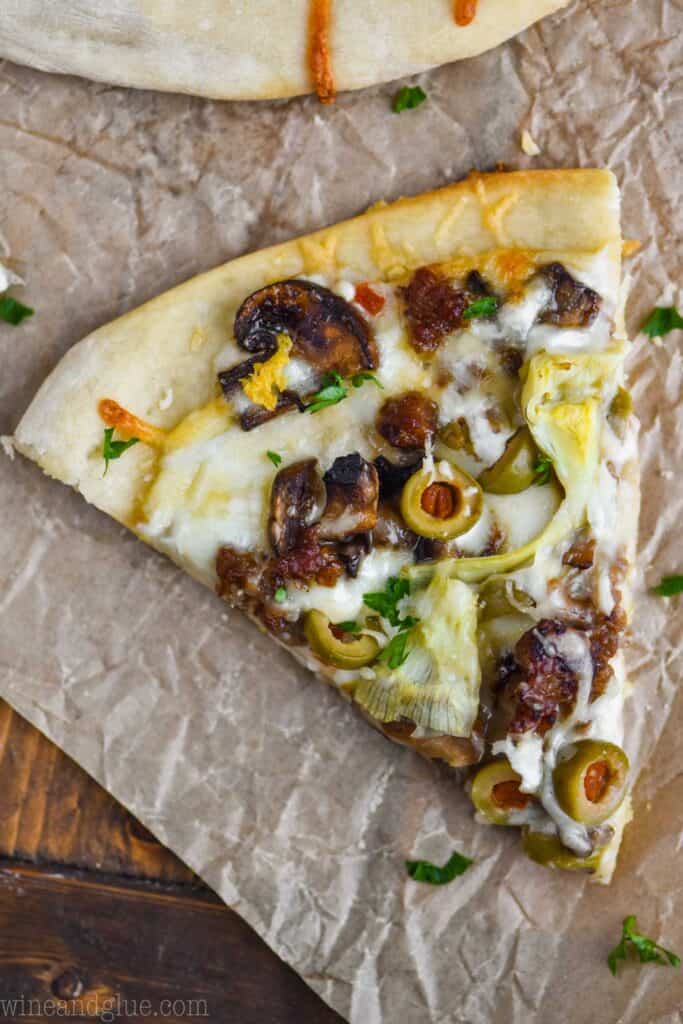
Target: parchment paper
pixel 261 779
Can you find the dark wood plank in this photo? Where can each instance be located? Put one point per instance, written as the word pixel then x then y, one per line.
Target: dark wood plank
pixel 52 811
pixel 93 945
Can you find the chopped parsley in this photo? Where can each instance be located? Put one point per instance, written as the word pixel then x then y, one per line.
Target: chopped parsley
pixel 648 951
pixel 360 378
pixel 12 311
pixel 385 602
pixel 425 871
pixel 114 449
pixel 396 652
pixel 661 321
pixel 348 627
pixel 407 98
pixel 280 595
pixel 669 586
pixel 543 468
pixel 486 306
pixel 333 390
pixel 275 458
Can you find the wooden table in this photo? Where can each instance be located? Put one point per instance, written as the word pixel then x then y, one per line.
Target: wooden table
pixel 99 918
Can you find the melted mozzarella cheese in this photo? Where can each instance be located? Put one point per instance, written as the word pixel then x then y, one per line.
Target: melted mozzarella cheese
pixel 345 600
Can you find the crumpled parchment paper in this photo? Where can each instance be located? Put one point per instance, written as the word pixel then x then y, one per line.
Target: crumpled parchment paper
pixel 260 778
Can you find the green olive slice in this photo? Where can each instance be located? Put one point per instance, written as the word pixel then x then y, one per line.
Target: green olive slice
pixel 590 782
pixel 514 470
pixel 496 793
pixel 441 506
pixel 546 849
pixel 341 650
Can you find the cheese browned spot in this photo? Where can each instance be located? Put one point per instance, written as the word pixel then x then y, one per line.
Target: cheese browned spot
pixel 319 50
pixel 464 12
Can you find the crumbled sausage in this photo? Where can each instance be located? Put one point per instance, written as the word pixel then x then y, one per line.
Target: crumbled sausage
pixel 408 420
pixel 433 308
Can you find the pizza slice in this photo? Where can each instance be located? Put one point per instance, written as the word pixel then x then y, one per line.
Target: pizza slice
pixel 403 447
pixel 227 49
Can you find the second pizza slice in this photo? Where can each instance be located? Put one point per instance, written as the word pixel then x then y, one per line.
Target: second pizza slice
pixel 403 447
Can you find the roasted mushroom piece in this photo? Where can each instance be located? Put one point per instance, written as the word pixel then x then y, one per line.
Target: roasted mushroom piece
pixel 352 495
pixel 296 502
pixel 572 304
pixel 326 332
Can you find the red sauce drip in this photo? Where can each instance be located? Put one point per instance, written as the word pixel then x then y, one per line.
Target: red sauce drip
pixel 371 302
pixel 319 50
pixel 464 12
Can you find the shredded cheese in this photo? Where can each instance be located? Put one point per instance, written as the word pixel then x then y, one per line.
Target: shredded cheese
pixel 268 378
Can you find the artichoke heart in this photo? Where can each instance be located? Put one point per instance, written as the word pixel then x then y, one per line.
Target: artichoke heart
pixel 437 686
pixel 562 409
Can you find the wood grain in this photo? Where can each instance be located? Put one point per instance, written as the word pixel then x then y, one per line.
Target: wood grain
pixel 122 950
pixel 51 811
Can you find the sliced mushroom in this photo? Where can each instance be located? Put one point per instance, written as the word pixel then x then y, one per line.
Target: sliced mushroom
pixel 352 495
pixel 296 502
pixel 326 330
pixel 393 476
pixel 573 304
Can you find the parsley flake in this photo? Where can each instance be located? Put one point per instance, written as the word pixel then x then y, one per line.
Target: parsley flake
pixel 407 98
pixel 348 627
pixel 425 871
pixel 333 390
pixel 360 378
pixel 649 951
pixel 669 586
pixel 114 449
pixel 543 468
pixel 12 311
pixel 661 321
pixel 396 651
pixel 486 306
pixel 280 595
pixel 385 602
pixel 274 458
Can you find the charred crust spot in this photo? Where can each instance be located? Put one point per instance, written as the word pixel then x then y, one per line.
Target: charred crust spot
pixel 433 308
pixel 325 329
pixel 408 420
pixel 573 304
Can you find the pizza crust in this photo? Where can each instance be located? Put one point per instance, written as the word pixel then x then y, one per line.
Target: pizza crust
pixel 228 49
